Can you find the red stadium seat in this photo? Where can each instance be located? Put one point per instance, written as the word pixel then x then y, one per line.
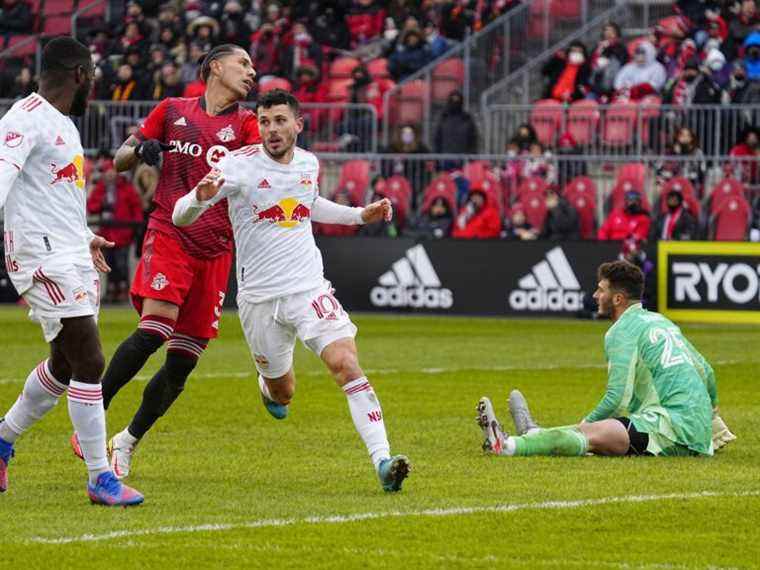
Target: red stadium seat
pixel 407 104
pixel 685 187
pixel 583 121
pixel 580 186
pixel 619 125
pixel 565 9
pixel 342 67
pixel 275 83
pixel 477 171
pixel 636 172
pixel 546 118
pixel 96 11
pixel 26 50
pixel 531 186
pixel 650 109
pixel 731 221
pixel 399 198
pixel 338 89
pixel 354 178
pixel 534 207
pixel 398 183
pixel 441 185
pixel 581 193
pixel 378 68
pixel 57 25
pixel 727 188
pixel 447 77
pixel 55 7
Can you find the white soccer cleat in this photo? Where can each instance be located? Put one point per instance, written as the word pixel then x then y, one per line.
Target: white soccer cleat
pixel 495 438
pixel 120 454
pixel 518 407
pixel 721 435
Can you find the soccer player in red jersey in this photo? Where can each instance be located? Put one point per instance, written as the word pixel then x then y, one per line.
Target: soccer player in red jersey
pixel 181 280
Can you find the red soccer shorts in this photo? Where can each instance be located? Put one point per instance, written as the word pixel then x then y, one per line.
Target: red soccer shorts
pixel 196 286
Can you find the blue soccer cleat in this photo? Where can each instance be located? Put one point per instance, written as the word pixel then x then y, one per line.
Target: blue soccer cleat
pixel 278 411
pixel 392 472
pixel 6 452
pixel 109 491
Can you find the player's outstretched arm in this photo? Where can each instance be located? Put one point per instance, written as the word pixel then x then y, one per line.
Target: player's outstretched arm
pixel 133 150
pixel 190 207
pixel 327 212
pixel 622 354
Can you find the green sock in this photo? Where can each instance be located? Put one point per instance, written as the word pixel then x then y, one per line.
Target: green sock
pixel 555 441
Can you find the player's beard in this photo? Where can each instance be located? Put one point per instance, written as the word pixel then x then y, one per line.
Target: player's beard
pixel 79 103
pixel 605 308
pixel 287 143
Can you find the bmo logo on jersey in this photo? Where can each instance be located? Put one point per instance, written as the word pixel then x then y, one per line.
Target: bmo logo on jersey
pixel 213 155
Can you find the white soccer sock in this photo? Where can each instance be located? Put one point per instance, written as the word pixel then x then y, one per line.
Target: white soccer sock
pixel 125 439
pixel 510 446
pixel 264 388
pixel 39 396
pixel 368 418
pixel 89 420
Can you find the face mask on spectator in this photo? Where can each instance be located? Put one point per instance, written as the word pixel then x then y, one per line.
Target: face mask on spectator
pixel 576 58
pixel 302 37
pixel 674 201
pixel 407 136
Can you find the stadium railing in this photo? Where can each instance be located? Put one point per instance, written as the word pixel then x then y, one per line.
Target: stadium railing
pixel 621 128
pixel 526 84
pixel 94 9
pixel 607 174
pixel 498 50
pixel 328 126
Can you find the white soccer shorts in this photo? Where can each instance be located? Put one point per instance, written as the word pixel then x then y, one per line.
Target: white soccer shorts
pixel 61 291
pixel 315 316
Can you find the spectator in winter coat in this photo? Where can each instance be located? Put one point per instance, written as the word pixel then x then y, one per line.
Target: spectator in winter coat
pixel 127 87
pixel 437 44
pixel 524 138
pixel 518 227
pixel 568 74
pixel 407 141
pixel 265 52
pixel 540 164
pixel 302 51
pixel 308 89
pixel 747 170
pixel 457 132
pixel 16 17
pixel 478 219
pixel 115 200
pixel 434 222
pixel 561 219
pixel 412 55
pixel 685 146
pixel 630 221
pixel 365 21
pixel 233 27
pixel 167 83
pixel 568 169
pixel 641 77
pixel 677 223
pixel 607 59
pixel 740 26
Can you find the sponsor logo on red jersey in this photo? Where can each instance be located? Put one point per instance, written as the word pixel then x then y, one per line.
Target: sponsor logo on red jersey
pixel 227 134
pixel 159 282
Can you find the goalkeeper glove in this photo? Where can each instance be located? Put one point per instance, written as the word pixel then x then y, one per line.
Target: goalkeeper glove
pixel 721 435
pixel 150 151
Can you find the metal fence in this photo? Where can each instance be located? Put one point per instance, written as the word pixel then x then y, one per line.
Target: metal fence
pixel 620 129
pixel 499 49
pixel 328 127
pixel 505 177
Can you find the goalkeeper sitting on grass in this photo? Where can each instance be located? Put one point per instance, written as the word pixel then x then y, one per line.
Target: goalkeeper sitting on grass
pixel 661 394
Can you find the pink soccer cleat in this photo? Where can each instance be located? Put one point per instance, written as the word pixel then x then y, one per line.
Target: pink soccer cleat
pixel 111 492
pixel 75 447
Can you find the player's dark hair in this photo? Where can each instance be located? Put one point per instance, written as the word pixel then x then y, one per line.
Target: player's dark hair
pixel 63 55
pixel 623 277
pixel 214 54
pixel 279 97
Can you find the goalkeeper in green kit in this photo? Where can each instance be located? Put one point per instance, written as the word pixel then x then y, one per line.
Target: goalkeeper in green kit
pixel 661 394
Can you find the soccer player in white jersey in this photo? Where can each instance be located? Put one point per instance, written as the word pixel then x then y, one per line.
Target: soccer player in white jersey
pixel 272 193
pixel 51 257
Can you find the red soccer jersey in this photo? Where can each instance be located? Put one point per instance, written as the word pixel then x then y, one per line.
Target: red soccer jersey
pixel 199 141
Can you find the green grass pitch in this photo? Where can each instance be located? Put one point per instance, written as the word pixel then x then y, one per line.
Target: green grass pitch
pixel 228 487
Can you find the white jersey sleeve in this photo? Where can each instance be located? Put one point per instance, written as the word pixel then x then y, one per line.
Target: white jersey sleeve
pixel 188 208
pixel 18 136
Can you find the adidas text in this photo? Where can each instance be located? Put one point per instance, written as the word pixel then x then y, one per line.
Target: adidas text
pixel 550 286
pixel 412 282
pixel 543 300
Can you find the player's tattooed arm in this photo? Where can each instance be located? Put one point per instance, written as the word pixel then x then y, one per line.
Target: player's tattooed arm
pixel 125 157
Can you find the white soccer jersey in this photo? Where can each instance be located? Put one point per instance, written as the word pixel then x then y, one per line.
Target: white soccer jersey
pixel 45 208
pixel 270 209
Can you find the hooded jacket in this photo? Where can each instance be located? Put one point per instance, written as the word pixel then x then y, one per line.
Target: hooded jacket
pixel 484 224
pixel 752 66
pixel 650 72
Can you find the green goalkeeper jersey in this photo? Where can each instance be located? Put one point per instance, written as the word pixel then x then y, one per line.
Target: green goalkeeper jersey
pixel 660 381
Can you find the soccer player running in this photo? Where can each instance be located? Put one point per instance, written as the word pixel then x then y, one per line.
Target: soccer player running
pixel 51 257
pixel 661 393
pixel 272 197
pixel 181 279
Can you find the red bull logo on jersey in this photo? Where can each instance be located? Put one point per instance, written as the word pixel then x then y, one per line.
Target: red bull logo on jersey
pixel 72 172
pixel 287 213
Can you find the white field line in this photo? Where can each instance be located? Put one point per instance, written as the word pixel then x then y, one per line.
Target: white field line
pixel 340 519
pixel 426 371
